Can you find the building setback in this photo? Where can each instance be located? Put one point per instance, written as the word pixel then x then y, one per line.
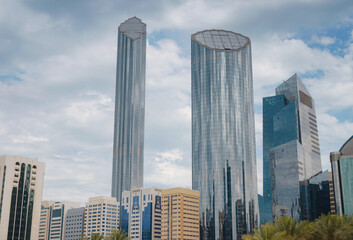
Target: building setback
pixel 74 223
pixel 21 186
pixel 180 214
pixel 291 151
pixel 223 134
pixel 141 213
pixel 342 169
pixel 129 120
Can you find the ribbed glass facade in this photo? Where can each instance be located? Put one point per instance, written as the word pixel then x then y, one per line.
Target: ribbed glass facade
pixel 129 107
pixel 223 134
pixel 291 151
pixel 342 168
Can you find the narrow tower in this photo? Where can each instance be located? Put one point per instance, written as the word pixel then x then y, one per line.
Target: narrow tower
pixel 129 120
pixel 223 134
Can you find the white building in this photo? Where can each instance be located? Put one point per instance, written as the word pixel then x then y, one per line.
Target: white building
pixel 74 223
pixel 57 223
pixel 141 213
pixel 44 220
pixel 101 215
pixel 21 186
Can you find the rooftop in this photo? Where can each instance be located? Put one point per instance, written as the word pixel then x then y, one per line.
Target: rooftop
pixel 221 40
pixel 133 28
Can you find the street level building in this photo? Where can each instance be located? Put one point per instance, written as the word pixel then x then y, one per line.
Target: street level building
pixel 180 214
pixel 129 123
pixel 21 186
pixel 57 219
pixel 342 169
pixel 291 150
pixel 44 220
pixel 223 134
pixel 141 213
pixel 101 216
pixel 74 223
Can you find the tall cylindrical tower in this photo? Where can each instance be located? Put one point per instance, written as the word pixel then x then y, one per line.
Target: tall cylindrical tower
pixel 223 134
pixel 129 123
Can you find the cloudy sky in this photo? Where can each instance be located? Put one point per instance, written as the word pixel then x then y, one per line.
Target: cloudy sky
pixel 57 79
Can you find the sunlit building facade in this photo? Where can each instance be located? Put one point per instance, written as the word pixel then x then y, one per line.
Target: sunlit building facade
pixel 180 214
pixel 101 216
pixel 223 134
pixel 129 120
pixel 342 169
pixel 21 186
pixel 291 150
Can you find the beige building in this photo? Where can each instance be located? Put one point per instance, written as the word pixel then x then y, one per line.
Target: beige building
pixel 332 194
pixel 180 214
pixel 44 220
pixel 101 216
pixel 21 187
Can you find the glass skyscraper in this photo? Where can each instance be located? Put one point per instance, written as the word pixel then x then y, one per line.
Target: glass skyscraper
pixel 291 151
pixel 129 107
pixel 342 168
pixel 223 134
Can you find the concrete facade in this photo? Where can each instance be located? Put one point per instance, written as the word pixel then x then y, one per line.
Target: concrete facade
pixel 101 215
pixel 180 214
pixel 21 186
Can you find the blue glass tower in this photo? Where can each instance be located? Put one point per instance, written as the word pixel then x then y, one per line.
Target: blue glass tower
pixel 223 134
pixel 342 168
pixel 291 151
pixel 129 107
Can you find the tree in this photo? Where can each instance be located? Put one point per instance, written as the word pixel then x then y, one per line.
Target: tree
pixel 332 227
pixel 265 232
pixel 118 234
pixel 97 236
pixel 293 230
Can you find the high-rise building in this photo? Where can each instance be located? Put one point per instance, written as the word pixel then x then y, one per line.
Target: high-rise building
pixel 291 151
pixel 129 107
pixel 223 134
pixel 342 169
pixel 180 214
pixel 315 196
pixel 74 223
pixel 101 216
pixel 141 213
pixel 57 219
pixel 21 186
pixel 44 220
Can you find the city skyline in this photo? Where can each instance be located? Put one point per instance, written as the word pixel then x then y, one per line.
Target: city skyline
pixel 57 81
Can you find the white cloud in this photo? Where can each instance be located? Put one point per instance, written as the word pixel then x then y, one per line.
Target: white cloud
pixel 167 170
pixel 324 40
pixel 28 139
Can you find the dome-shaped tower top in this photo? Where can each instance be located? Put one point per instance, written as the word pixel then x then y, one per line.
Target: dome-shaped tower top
pixel 133 28
pixel 221 40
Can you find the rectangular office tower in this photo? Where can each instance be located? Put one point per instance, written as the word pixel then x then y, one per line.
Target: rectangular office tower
pixel 129 120
pixel 101 216
pixel 342 169
pixel 21 186
pixel 74 223
pixel 180 214
pixel 223 134
pixel 141 213
pixel 291 151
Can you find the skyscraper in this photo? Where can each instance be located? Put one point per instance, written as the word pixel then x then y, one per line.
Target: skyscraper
pixel 342 168
pixel 21 186
pixel 223 134
pixel 129 107
pixel 291 151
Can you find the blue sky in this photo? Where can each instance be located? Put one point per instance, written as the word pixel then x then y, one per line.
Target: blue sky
pixel 57 79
